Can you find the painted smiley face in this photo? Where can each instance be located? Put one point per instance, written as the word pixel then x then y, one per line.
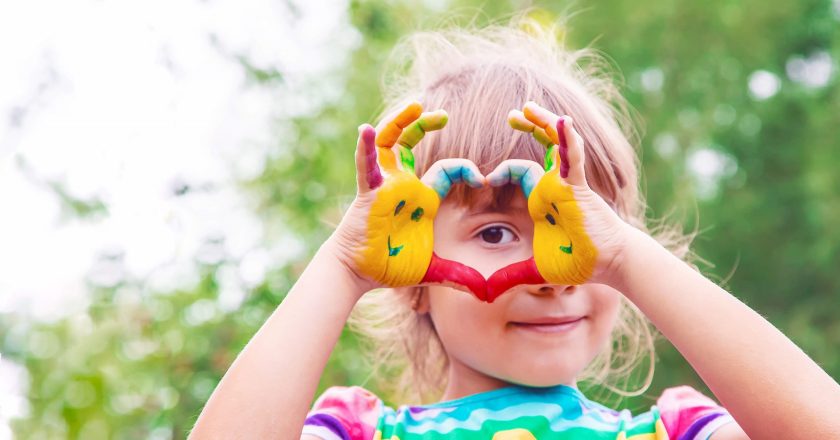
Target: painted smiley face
pixel 416 215
pixel 400 230
pixel 563 252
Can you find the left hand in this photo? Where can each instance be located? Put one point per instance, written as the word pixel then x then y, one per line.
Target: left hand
pixel 577 236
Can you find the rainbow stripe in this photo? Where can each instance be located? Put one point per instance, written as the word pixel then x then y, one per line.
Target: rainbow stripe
pixel 518 413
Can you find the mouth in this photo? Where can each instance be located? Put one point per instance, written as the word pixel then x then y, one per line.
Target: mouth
pixel 393 251
pixel 549 324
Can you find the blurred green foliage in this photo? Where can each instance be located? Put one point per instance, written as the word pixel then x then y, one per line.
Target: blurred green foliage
pixel 141 363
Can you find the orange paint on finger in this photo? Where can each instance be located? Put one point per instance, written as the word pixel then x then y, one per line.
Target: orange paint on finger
pixel 518 121
pixel 387 159
pixel 544 119
pixel 389 134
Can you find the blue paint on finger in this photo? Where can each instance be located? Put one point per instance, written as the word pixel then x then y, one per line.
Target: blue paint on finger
pixel 449 175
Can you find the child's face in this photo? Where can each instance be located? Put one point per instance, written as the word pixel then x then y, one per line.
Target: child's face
pixel 482 341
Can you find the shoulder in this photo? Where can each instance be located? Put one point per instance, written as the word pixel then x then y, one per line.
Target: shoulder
pixel 690 414
pixel 348 413
pixel 354 397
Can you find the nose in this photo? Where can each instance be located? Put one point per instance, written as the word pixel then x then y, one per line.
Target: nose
pixel 549 289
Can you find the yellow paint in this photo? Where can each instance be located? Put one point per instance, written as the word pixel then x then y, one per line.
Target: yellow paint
pixel 554 265
pixel 514 434
pixel 389 134
pixel 568 232
pixel 378 436
pixel 661 433
pixel 642 437
pixel 417 237
pixel 387 159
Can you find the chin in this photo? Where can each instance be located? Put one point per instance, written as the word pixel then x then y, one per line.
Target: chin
pixel 542 382
pixel 547 377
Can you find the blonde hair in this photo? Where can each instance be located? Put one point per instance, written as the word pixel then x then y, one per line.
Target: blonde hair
pixel 478 76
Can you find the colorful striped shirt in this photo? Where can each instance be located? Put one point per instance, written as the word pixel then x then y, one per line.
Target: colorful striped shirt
pixel 513 413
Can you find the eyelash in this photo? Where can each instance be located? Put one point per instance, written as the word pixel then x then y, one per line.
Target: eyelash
pixel 505 228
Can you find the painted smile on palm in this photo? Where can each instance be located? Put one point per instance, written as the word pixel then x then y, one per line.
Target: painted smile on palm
pixel 399 246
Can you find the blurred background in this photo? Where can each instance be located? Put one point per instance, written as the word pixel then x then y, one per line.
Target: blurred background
pixel 167 168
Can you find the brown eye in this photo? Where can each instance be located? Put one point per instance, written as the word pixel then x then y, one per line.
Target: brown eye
pixel 497 235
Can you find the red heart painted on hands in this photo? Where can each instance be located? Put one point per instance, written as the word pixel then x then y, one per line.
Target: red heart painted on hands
pixel 388 170
pixel 562 248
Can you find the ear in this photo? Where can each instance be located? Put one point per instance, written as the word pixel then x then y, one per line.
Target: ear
pixel 420 300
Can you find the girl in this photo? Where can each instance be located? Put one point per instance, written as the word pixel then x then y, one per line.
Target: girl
pixel 504 295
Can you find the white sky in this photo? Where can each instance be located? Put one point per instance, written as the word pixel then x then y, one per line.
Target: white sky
pixel 122 100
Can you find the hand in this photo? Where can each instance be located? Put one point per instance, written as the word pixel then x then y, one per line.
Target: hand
pixel 577 236
pixel 386 238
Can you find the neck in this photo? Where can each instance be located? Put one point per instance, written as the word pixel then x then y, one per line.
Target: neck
pixel 466 381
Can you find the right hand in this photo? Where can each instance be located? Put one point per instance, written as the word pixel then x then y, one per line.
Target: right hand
pixel 386 238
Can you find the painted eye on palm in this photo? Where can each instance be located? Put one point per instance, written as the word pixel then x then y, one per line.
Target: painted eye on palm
pixel 399 242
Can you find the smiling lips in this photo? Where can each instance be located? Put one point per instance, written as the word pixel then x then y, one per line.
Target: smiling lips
pixel 549 321
pixel 549 325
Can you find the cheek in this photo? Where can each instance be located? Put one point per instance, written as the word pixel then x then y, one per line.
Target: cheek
pixel 606 303
pixel 460 320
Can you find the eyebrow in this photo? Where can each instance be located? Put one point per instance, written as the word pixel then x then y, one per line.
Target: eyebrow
pixel 486 209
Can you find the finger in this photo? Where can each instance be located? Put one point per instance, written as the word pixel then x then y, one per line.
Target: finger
pixel 455 275
pixel 411 136
pixel 368 176
pixel 447 172
pixel 390 129
pixel 542 118
pixel 573 162
pixel 517 120
pixel 552 159
pixel 553 126
pixel 523 272
pixel 428 121
pixel 524 173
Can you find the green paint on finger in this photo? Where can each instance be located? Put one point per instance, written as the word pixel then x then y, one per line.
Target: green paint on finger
pixel 549 157
pixel 407 158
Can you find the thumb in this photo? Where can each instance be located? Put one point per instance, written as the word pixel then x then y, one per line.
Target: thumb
pixel 368 176
pixel 571 152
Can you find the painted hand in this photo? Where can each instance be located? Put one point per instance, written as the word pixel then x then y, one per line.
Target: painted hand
pixel 388 233
pixel 577 236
